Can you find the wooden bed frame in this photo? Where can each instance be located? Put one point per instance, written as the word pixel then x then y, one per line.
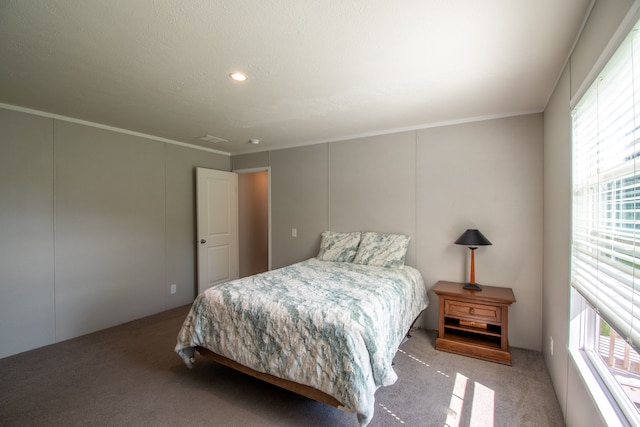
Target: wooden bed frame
pixel 301 389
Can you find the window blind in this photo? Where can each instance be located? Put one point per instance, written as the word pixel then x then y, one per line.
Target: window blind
pixel 606 192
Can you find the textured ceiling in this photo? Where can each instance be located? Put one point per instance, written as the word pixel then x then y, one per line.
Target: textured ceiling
pixel 318 70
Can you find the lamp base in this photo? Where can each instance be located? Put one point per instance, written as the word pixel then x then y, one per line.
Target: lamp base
pixel 472 287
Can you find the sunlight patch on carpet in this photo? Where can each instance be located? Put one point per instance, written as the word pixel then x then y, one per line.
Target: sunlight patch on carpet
pixel 457 401
pixel 482 403
pixel 483 406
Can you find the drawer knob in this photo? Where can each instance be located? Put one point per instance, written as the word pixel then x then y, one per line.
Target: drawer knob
pixel 471 310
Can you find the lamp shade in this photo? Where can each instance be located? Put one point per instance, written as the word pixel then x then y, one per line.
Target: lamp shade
pixel 472 237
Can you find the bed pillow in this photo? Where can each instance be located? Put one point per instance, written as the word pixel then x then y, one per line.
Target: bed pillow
pixel 338 247
pixel 382 250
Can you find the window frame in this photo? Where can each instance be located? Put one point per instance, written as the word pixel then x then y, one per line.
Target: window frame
pixel 612 402
pixel 614 406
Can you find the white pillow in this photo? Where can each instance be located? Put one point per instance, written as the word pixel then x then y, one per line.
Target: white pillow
pixel 382 250
pixel 338 247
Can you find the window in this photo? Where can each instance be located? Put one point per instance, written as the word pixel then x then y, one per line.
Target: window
pixel 606 227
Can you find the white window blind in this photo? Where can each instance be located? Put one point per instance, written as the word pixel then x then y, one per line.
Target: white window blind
pixel 606 192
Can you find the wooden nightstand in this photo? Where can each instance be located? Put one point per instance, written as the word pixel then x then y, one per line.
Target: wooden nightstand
pixel 474 323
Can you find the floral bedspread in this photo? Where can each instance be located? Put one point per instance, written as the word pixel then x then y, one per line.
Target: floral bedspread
pixel 334 326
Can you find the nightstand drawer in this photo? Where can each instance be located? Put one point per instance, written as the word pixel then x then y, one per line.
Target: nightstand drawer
pixel 480 312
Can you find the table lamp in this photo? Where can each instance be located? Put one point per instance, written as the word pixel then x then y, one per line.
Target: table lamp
pixel 472 238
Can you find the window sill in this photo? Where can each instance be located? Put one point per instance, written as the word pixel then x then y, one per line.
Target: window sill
pixel 609 411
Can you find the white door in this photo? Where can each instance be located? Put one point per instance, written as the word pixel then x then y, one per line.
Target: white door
pixel 217 200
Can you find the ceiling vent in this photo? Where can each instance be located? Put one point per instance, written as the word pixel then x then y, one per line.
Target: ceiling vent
pixel 211 138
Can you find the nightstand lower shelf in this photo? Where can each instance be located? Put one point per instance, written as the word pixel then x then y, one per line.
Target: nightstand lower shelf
pixel 473 347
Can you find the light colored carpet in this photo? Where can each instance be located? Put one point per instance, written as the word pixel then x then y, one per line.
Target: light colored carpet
pixel 129 375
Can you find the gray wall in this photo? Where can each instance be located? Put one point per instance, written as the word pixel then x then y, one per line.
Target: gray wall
pixel 431 184
pixel 574 399
pixel 94 227
pixel 27 310
pixel 300 200
pixel 372 186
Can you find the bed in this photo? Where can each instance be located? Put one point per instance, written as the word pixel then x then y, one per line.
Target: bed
pixel 326 328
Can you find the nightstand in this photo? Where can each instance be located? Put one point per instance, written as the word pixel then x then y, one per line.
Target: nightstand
pixel 474 323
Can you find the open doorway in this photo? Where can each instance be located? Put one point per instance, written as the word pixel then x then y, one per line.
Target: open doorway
pixel 254 223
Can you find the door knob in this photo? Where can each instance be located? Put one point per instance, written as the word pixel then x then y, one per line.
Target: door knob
pixel 203 241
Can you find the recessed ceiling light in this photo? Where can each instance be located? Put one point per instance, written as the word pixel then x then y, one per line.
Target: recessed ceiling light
pixel 254 141
pixel 238 76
